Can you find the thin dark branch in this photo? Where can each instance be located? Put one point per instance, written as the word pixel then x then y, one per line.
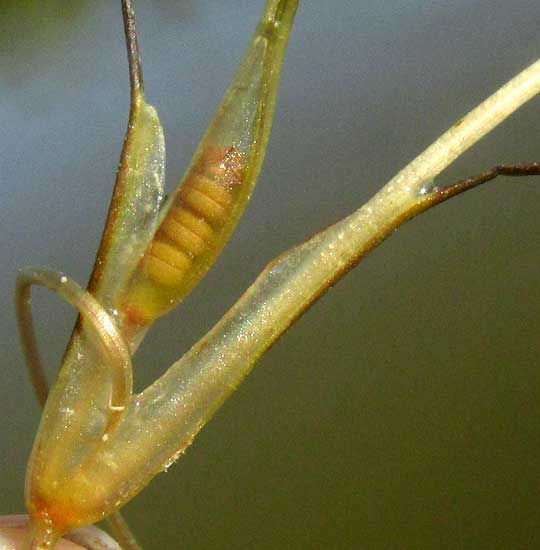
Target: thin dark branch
pixel 514 170
pixel 437 195
pixel 29 343
pixel 137 93
pixel 134 58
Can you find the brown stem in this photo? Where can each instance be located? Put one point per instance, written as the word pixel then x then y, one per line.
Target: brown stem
pixel 29 343
pixel 514 170
pixel 134 58
pixel 439 195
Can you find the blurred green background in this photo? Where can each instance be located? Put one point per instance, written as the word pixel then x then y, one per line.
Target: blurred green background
pixel 403 410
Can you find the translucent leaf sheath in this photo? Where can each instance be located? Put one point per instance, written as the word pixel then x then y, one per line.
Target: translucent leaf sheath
pixel 89 471
pixel 207 205
pixel 77 412
pixel 138 190
pixel 78 409
pixel 135 205
pixel 70 437
pixel 164 419
pixel 63 488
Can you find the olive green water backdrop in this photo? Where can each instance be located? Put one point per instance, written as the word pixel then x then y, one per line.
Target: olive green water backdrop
pixel 403 411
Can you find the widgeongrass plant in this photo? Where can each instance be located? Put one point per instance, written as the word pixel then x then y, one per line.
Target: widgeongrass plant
pixel 71 484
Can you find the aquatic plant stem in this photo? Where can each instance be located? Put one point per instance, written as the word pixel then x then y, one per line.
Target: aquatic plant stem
pixel 292 282
pixel 178 404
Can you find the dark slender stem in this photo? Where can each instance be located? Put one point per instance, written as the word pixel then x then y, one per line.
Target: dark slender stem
pixel 514 170
pixel 136 101
pixel 134 58
pixel 439 195
pixel 29 343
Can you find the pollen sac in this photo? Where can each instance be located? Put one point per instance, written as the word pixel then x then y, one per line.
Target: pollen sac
pixel 204 210
pixel 187 235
